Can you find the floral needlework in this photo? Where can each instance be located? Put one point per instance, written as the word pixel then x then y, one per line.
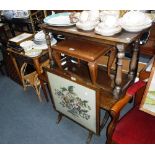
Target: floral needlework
pixel 75 105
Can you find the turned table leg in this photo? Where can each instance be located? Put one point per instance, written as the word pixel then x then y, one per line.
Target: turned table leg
pixel 48 41
pixel 93 71
pixel 111 60
pixel 118 77
pixel 134 61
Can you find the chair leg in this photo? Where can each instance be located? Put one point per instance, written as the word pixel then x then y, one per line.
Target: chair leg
pixel 104 120
pixel 37 89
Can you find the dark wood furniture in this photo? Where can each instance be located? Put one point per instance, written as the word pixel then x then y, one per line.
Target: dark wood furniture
pixel 3 36
pixel 29 24
pixel 149 47
pixel 120 41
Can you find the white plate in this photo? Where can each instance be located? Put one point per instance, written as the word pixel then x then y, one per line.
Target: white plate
pixel 44 46
pixel 33 52
pixel 59 19
pixel 135 28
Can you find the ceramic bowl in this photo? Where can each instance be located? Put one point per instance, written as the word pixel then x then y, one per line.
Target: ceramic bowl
pixel 39 38
pixel 135 18
pixel 135 28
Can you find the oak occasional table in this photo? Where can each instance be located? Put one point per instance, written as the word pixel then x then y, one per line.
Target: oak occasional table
pixel 121 42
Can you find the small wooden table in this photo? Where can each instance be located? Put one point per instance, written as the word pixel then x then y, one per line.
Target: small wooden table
pixel 120 41
pixel 32 60
pixel 82 50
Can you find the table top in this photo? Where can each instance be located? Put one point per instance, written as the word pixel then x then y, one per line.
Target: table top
pixel 122 37
pixel 84 50
pixel 21 53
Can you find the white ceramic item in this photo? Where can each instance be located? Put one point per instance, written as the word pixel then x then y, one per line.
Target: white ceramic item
pixel 27 45
pixel 105 13
pixel 59 19
pixel 44 46
pixel 87 26
pixel 33 52
pixel 135 21
pixel 105 31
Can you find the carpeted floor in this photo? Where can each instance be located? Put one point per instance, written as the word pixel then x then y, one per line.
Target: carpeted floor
pixel 24 120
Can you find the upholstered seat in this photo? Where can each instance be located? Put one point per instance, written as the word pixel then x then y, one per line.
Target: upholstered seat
pixel 136 127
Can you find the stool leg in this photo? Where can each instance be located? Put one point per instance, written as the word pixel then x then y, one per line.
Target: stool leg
pixel 44 90
pixel 57 57
pixel 93 71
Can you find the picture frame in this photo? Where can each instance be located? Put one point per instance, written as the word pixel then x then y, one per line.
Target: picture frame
pixel 75 99
pixel 148 101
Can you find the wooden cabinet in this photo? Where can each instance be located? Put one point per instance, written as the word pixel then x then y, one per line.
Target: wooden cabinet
pixel 149 47
pixel 10 68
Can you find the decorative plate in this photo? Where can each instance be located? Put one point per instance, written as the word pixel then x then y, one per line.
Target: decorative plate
pixel 59 19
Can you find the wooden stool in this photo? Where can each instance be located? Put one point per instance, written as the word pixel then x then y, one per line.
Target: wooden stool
pixel 82 50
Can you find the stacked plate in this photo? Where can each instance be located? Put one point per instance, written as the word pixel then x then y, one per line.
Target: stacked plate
pixel 40 41
pixel 135 21
pixel 88 20
pixel 105 31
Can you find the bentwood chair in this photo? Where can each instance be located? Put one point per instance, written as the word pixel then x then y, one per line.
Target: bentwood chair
pixel 31 79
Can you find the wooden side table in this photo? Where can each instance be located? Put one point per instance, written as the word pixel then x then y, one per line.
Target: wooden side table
pixel 82 50
pixel 32 60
